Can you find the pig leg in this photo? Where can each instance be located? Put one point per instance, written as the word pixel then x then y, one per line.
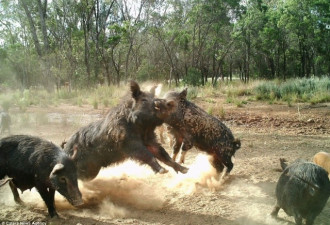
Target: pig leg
pixel 182 157
pixel 298 219
pixel 176 147
pixel 224 159
pixel 228 163
pixel 217 163
pixel 161 130
pixel 142 154
pixel 310 220
pixel 187 144
pixel 48 197
pixel 15 192
pixel 160 153
pixel 276 208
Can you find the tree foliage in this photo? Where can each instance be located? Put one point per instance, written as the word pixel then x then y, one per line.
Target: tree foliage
pixel 89 42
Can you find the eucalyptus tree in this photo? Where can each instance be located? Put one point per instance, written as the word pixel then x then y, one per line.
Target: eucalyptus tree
pixel 18 55
pixel 306 22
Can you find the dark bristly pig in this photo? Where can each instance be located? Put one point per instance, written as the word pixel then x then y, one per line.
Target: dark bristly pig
pixel 127 131
pixel 302 191
pixel 192 126
pixel 29 162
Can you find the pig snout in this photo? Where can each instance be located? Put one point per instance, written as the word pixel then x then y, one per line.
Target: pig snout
pixel 75 197
pixel 77 202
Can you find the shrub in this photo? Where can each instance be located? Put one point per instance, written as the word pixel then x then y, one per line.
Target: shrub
pixel 106 103
pixel 222 113
pixel 192 93
pixel 95 104
pixel 193 77
pixel 210 111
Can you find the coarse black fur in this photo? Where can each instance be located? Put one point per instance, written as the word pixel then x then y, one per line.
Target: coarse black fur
pixel 302 191
pixel 126 132
pixel 192 126
pixel 30 162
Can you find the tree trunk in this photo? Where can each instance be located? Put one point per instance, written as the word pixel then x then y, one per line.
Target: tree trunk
pixel 42 8
pixel 247 74
pixel 284 62
pixel 116 65
pixel 32 28
pixel 127 58
pixel 231 69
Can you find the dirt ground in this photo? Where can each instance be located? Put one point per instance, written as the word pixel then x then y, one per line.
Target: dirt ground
pixel 129 193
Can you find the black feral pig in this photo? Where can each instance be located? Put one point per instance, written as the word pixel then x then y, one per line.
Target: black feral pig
pixel 192 126
pixel 5 122
pixel 33 162
pixel 302 191
pixel 127 131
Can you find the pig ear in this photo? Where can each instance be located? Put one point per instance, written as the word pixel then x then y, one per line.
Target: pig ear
pixel 63 144
pixel 135 89
pixel 153 90
pixel 4 181
pixel 58 167
pixel 183 94
pixel 75 151
pixel 284 163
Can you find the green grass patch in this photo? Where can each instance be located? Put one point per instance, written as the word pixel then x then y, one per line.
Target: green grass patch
pixel 306 90
pixel 310 90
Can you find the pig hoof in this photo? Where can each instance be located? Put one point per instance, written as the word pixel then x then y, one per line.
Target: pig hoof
pixel 162 171
pixel 184 170
pixel 19 201
pixel 54 216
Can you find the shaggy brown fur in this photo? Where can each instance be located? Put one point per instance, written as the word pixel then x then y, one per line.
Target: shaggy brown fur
pixel 192 126
pixel 126 132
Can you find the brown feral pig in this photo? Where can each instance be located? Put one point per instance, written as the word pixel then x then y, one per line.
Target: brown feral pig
pixel 127 131
pixel 302 191
pixel 192 126
pixel 323 160
pixel 33 162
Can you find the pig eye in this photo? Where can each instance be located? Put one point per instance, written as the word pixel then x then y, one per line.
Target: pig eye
pixel 62 180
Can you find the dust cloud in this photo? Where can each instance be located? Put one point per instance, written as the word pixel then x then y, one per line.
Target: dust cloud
pixel 121 188
pixel 126 184
pixel 147 86
pixel 135 185
pixel 116 189
pixel 201 175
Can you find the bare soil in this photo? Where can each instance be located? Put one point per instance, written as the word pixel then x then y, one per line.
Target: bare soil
pixel 130 193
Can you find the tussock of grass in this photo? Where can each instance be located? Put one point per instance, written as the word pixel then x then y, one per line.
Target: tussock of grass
pixel 192 93
pixel 216 110
pixel 312 90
